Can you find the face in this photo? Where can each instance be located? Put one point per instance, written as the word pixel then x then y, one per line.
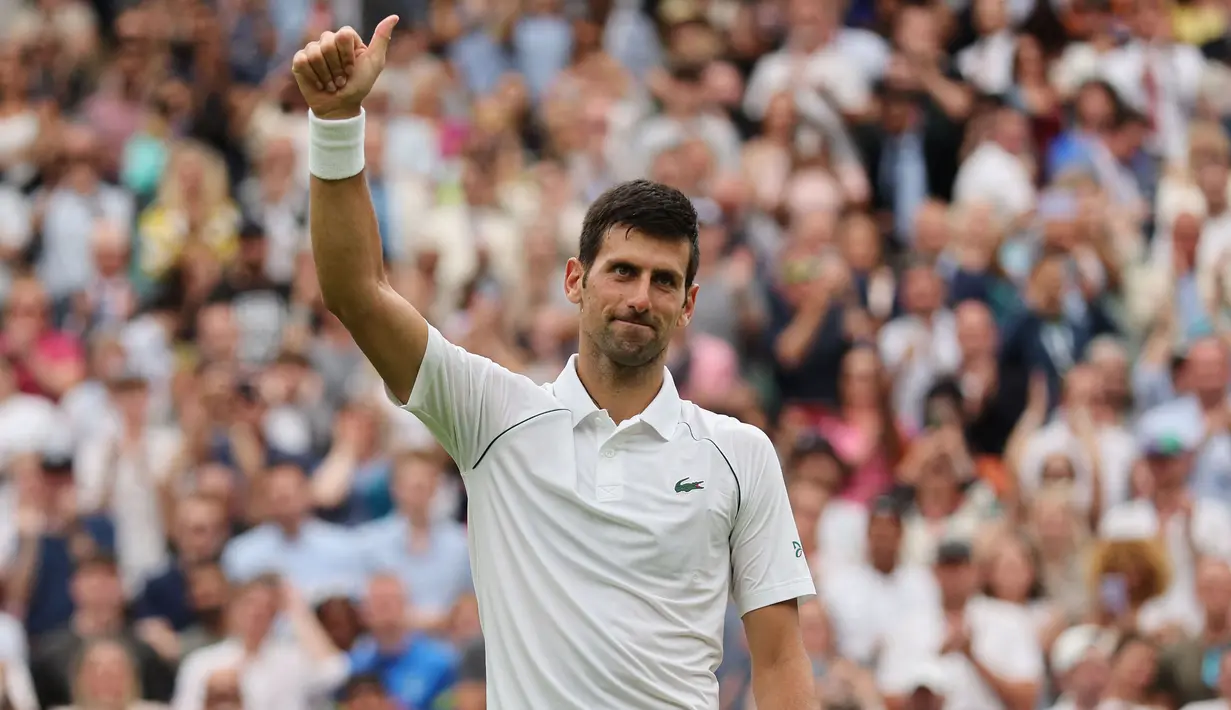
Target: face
pixel 921 290
pixel 208 589
pixel 1094 107
pixel 385 605
pixel 369 699
pixel 1057 469
pixel 97 587
pixel 1207 369
pixel 222 691
pixel 822 469
pixel 860 373
pixel 1082 388
pixel 1214 586
pixel 1136 664
pixel 633 298
pixel 884 536
pixel 286 493
pixel 414 485
pixel 106 674
pixel 200 529
pixel 340 622
pixel 253 611
pixel 957 581
pixel 807 500
pixel 976 334
pixel 1011 572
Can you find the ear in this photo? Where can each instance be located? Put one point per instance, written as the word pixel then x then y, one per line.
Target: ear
pixel 574 272
pixel 690 304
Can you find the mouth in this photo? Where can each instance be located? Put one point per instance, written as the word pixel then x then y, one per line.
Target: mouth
pixel 634 324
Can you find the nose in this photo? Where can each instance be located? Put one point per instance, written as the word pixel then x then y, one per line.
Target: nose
pixel 639 295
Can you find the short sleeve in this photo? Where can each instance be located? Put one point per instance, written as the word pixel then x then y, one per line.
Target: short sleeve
pixel 767 558
pixel 466 401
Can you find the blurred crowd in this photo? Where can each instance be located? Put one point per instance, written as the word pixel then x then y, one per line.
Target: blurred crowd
pixel 966 261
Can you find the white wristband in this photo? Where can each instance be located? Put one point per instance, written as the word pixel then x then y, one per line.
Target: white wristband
pixel 335 148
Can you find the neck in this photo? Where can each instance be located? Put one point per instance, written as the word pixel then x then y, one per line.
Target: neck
pixel 953 604
pixel 94 623
pixel 390 640
pixel 1167 498
pixel 419 521
pixel 290 528
pixel 1216 625
pixel 624 392
pixel 251 643
pixel 885 564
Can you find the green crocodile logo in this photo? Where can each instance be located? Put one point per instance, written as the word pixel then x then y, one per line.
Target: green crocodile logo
pixel 684 485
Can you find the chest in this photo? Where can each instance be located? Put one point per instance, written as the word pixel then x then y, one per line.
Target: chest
pixel 611 500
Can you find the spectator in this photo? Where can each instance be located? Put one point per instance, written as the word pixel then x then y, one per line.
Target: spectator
pixel 107 678
pixel 293 673
pixel 417 671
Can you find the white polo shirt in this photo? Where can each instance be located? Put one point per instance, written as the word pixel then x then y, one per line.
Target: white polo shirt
pixel 603 555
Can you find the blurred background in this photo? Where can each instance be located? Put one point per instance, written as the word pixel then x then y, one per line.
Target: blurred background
pixel 966 261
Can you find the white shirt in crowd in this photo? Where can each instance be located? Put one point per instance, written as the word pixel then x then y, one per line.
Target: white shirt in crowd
pixel 1002 637
pixel 867 607
pixel 1208 705
pixel 281 675
pixel 829 70
pixel 918 353
pixel 842 533
pixel 994 176
pixel 610 548
pixel 988 63
pixel 132 484
pixel 1211 535
pixel 1117 449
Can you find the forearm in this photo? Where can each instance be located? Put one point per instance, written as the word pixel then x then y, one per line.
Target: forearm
pixel 785 684
pixel 792 345
pixel 22 577
pixel 346 245
pixel 1015 696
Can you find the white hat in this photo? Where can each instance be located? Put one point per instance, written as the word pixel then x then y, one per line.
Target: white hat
pixel 930 675
pixel 1073 645
pixel 1129 523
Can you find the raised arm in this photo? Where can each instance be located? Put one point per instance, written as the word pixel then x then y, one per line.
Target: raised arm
pixel 335 74
pixel 465 400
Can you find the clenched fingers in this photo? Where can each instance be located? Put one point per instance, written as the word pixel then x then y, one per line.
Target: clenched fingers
pixel 349 43
pixel 316 67
pixel 333 61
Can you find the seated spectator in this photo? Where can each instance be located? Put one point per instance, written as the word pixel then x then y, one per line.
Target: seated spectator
pixel 197 537
pixel 106 679
pixel 416 670
pixel 54 539
pixel 98 612
pixel 366 692
pixel 988 649
pixel 294 673
pixel 313 556
pixel 428 554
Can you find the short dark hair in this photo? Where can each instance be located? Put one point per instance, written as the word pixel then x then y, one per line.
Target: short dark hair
pixel 652 208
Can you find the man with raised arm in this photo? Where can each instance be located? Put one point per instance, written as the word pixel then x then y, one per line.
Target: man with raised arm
pixel 609 519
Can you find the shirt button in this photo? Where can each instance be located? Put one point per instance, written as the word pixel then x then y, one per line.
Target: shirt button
pixel 608 454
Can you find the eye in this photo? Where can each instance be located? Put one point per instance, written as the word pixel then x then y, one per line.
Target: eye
pixel 625 270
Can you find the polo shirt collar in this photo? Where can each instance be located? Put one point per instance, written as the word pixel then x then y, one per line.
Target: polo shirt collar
pixel 663 413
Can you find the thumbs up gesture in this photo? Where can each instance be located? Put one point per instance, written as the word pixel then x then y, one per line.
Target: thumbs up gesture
pixel 337 71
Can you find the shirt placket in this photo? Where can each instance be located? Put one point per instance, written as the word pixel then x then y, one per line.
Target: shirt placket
pixel 609 478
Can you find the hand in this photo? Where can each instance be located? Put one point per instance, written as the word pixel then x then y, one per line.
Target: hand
pixel 1038 395
pixel 337 72
pixel 159 635
pixel 31 521
pixel 957 640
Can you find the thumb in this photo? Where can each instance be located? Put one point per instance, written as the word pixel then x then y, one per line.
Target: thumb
pixel 380 38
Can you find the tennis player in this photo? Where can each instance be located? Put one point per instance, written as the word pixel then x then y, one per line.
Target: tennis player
pixel 610 520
